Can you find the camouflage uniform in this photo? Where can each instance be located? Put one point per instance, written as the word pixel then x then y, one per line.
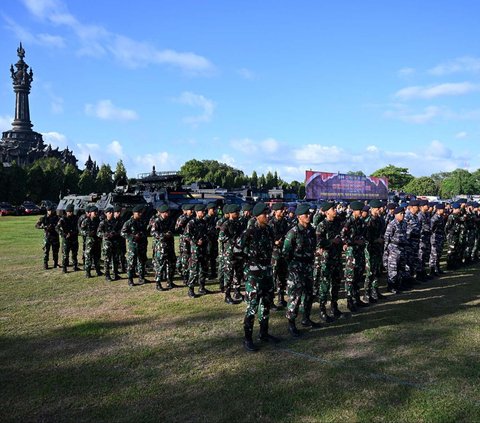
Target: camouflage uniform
pixel 437 239
pixel 221 254
pixel 163 249
pixel 107 230
pixel 353 235
pixel 328 263
pixel 230 231
pixel 425 242
pixel 93 244
pixel 299 251
pixel 212 247
pixel 196 236
pixel 67 227
pixel 135 232
pixel 453 231
pixel 414 229
pixel 374 231
pixel 470 229
pixel 50 239
pixel 184 247
pixel 120 244
pixel 280 228
pixel 395 243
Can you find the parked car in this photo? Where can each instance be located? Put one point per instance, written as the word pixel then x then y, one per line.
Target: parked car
pixel 6 209
pixel 30 208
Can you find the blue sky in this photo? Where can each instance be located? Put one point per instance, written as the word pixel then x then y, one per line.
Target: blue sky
pixel 265 85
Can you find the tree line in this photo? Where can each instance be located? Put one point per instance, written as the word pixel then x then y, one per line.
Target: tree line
pixel 49 179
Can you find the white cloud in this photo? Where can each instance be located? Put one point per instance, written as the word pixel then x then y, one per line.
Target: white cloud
pixel 55 139
pixel 42 39
pixel 437 150
pixel 270 145
pixel 461 135
pixel 116 149
pixel 96 41
pixel 206 106
pixel 318 154
pixel 161 160
pixel 461 64
pixel 106 110
pixel 227 159
pixel 402 113
pixel 406 72
pixel 82 151
pixel 246 73
pixel 432 91
pixel 6 123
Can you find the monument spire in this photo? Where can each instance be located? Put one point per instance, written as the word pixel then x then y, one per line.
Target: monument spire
pixel 22 82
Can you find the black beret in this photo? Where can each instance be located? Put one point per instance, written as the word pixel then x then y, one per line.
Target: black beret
pixel 399 210
pixel 246 207
pixel 462 200
pixel 456 205
pixel 356 205
pixel 391 206
pixel 327 206
pixel 414 203
pixel 432 204
pixel 163 208
pixel 233 208
pixel 259 209
pixel 422 203
pixel 277 206
pixel 109 209
pixel 70 207
pixel 211 206
pixel 302 209
pixel 440 206
pixel 375 204
pixel 138 208
pixel 199 207
pixel 117 208
pixel 366 208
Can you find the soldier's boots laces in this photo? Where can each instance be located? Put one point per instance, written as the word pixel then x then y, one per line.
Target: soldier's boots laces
pixel 248 341
pixel 191 293
pixel 351 305
pixel 323 313
pixel 264 335
pixel 292 328
pixel 335 311
pixel 159 286
pixel 237 296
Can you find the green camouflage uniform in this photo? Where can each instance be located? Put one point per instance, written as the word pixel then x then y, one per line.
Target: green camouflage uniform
pixel 196 236
pixel 280 228
pixel 374 231
pixel 230 231
pixel 50 239
pixel 163 249
pixel 67 227
pixel 184 247
pixel 135 232
pixel 107 230
pixel 93 244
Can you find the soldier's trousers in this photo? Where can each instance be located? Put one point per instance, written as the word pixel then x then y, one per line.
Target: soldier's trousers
pixel 373 268
pixel 93 252
pixel 52 243
pixel 280 271
pixel 197 266
pixel 70 246
pixel 258 293
pixel 233 272
pixel 328 277
pixel 299 285
pixel 395 264
pixel 424 251
pixel 110 257
pixel 354 268
pixel 411 250
pixel 164 261
pixel 184 258
pixel 212 254
pixel 136 259
pixel 436 249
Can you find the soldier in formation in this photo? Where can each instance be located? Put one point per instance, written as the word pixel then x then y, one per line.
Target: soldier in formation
pixel 67 227
pixel 51 240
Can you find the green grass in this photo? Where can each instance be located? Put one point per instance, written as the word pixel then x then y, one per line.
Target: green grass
pixel 77 350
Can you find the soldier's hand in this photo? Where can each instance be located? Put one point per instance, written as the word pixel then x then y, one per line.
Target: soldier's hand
pixel 200 242
pixel 345 246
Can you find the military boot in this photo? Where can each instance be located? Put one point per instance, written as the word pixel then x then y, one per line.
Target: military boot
pixel 392 286
pixel 108 278
pixel 351 305
pixel 88 274
pixel 359 302
pixel 191 293
pixel 335 311
pixel 221 286
pixel 99 272
pixel 378 294
pixel 171 284
pixel 248 328
pixel 308 323
pixel 421 277
pixel 264 335
pixel 433 271
pixel 75 267
pixel 237 296
pixel 292 328
pixel 228 297
pixel 281 298
pixel 203 290
pixel 45 266
pixel 55 264
pixel 323 313
pixel 158 286
pixel 116 277
pixel 64 269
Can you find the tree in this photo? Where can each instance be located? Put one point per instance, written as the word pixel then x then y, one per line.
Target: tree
pixel 398 177
pixel 16 183
pixel 262 183
pixel 193 171
pixel 103 181
pixel 424 185
pixel 254 180
pixel 71 177
pixel 459 182
pixel 120 176
pixel 36 182
pixel 54 175
pixel 86 183
pixel 269 180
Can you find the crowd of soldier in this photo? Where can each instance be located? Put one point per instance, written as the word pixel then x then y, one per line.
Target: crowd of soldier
pixel 300 254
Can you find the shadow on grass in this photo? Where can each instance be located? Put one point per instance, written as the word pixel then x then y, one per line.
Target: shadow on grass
pixel 103 371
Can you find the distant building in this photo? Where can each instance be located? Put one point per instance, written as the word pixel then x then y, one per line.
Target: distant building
pixel 21 144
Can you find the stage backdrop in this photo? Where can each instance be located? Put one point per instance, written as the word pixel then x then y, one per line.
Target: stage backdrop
pixel 339 186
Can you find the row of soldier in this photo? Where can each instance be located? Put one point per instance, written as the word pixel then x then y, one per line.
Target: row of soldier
pixel 307 261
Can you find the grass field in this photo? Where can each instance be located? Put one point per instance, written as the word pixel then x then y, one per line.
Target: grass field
pixel 78 350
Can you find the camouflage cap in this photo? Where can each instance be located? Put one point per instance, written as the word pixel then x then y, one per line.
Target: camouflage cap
pixel 302 209
pixel 163 208
pixel 277 206
pixel 70 207
pixel 356 205
pixel 259 209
